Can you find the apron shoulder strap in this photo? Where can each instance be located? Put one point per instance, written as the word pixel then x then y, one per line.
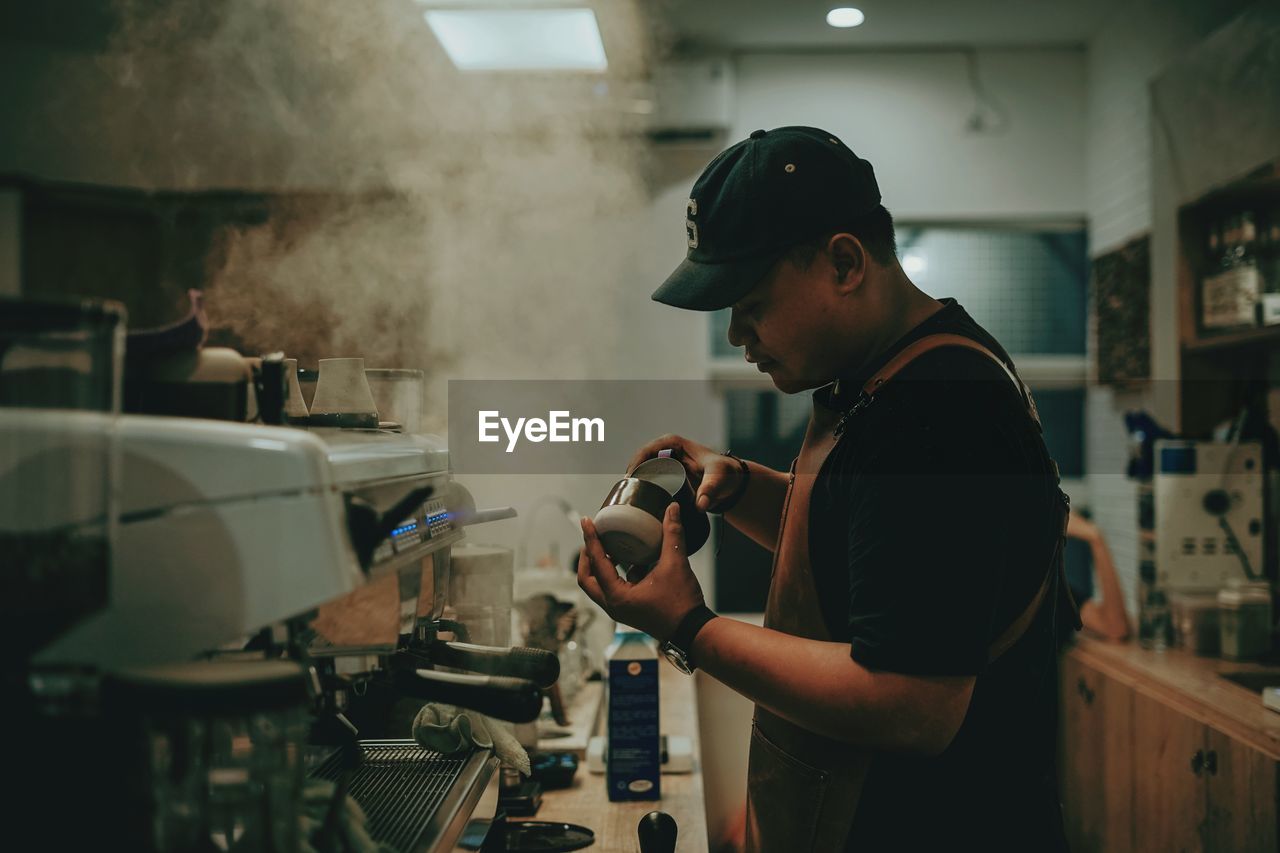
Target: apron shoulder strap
pixel 882 377
pixel 929 343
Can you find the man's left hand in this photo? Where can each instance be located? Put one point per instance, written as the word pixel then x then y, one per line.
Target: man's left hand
pixel 657 602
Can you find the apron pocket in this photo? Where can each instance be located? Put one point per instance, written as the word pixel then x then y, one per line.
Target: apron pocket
pixel 785 799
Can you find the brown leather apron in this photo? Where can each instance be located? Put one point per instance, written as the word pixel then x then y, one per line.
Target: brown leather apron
pixel 803 788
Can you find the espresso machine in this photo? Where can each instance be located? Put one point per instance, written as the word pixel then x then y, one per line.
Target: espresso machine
pixel 253 545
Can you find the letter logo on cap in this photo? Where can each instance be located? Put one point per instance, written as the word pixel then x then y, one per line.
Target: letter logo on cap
pixel 691 226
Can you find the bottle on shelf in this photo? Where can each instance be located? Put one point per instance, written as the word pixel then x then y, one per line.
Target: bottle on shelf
pixel 1269 266
pixel 1230 293
pixel 1214 253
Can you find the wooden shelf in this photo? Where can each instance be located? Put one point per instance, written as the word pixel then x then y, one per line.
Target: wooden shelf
pixel 1229 340
pixel 1220 372
pixel 1262 182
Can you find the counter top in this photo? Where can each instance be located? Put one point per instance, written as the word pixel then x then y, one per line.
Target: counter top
pixel 587 803
pixel 1193 685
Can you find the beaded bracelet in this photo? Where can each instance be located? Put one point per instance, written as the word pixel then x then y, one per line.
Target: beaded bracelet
pixel 732 501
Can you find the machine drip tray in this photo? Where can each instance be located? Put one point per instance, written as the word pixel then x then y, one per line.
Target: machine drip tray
pixel 414 799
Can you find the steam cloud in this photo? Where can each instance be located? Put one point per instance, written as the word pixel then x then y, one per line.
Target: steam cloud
pixel 478 224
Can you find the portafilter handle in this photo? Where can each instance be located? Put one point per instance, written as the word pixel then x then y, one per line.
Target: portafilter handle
pixel 537 665
pixel 368 528
pixel 516 700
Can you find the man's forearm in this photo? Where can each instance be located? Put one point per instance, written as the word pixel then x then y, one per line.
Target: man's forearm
pixel 759 511
pixel 819 687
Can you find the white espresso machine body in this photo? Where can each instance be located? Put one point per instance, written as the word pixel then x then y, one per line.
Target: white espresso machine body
pixel 1209 512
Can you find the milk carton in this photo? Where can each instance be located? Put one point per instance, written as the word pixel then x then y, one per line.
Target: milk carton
pixel 632 759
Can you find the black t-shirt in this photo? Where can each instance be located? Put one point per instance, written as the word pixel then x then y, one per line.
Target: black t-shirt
pixel 931 529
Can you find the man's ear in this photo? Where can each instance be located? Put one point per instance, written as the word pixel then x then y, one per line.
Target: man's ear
pixel 848 259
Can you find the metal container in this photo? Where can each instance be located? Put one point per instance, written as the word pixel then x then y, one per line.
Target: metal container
pixel 630 519
pixel 342 396
pixel 217 754
pixel 1244 612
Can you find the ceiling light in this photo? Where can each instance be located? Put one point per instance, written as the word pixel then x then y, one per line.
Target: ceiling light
pixel 845 16
pixel 519 39
pixel 913 263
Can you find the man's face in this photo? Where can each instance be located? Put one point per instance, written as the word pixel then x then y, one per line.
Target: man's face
pixel 794 326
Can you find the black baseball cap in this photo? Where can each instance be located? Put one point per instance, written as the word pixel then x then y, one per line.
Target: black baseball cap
pixel 758 199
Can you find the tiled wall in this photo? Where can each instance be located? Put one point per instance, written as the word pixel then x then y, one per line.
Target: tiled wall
pixel 1025 287
pixel 1140 39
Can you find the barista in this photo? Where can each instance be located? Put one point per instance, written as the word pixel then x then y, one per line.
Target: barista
pixel 905 680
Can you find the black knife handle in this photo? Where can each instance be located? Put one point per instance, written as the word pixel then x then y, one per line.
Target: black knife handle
pixel 657 831
pixel 537 665
pixel 516 700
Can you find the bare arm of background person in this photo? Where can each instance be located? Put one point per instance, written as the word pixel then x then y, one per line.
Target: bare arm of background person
pixel 1103 614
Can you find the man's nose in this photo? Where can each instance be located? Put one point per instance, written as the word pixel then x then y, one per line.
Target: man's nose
pixel 739 335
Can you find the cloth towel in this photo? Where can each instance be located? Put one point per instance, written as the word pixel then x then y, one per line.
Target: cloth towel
pixel 449 730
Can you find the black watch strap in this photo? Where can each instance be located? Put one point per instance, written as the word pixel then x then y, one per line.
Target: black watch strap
pixel 688 629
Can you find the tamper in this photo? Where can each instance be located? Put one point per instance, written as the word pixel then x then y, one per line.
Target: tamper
pixel 657 832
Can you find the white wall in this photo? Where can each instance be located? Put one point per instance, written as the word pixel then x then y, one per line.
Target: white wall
pixel 906 113
pixel 1140 39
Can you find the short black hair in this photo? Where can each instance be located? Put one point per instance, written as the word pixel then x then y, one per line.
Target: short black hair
pixel 874 229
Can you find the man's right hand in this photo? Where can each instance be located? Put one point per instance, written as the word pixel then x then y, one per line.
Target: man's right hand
pixel 713 475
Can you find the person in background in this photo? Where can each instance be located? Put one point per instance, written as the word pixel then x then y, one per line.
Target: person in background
pixel 1102 605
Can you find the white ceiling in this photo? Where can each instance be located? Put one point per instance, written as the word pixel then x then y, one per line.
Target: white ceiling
pixel 730 24
pixel 742 24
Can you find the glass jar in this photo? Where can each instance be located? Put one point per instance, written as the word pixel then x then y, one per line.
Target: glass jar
pixel 60 369
pixel 1244 619
pixel 1155 624
pixel 216 753
pixel 398 395
pixel 481 584
pixel 1195 622
pixel 61 354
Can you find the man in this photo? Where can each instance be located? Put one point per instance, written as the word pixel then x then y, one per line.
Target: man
pixel 905 680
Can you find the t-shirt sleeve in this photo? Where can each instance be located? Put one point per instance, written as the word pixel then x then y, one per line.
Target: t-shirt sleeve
pixel 926 534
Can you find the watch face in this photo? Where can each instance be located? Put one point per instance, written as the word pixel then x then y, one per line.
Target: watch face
pixel 677 658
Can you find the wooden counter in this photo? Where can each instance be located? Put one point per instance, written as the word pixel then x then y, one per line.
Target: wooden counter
pixel 587 803
pixel 1192 685
pixel 1158 752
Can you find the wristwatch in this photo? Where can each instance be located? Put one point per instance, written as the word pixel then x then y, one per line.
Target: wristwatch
pixel 677 649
